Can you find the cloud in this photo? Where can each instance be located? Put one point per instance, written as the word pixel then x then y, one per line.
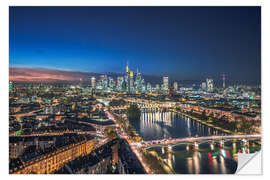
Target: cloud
pixel 42 75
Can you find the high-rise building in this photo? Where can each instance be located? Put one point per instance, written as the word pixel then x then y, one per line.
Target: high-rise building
pixel 157 87
pixel 127 70
pixel 111 83
pixel 93 82
pixel 149 87
pixel 131 81
pixel 104 82
pixel 223 79
pixel 210 85
pixel 143 86
pixel 175 86
pixel 127 78
pixel 81 83
pixel 204 85
pixel 120 81
pixel 165 83
pixel 10 86
pixel 139 82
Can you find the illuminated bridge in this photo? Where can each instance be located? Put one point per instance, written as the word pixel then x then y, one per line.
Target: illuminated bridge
pixel 141 106
pixel 197 140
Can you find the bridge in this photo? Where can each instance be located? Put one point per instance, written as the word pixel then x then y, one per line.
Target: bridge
pixel 141 106
pixel 196 140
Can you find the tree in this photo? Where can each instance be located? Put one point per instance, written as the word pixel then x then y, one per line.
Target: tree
pixel 210 119
pixel 138 139
pixel 110 133
pixel 204 115
pixel 133 112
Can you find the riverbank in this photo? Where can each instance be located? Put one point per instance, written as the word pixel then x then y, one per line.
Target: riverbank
pixel 147 160
pixel 159 166
pixel 204 123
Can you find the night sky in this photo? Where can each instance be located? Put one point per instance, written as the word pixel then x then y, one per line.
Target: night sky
pixel 181 42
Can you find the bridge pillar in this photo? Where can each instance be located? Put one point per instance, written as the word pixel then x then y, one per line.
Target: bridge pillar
pixel 212 146
pixel 187 147
pixel 234 144
pixel 169 148
pixel 196 145
pixel 163 149
pixel 221 143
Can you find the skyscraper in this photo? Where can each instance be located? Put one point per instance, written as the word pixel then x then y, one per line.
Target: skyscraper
pixel 149 87
pixel 127 70
pixel 204 85
pixel 93 82
pixel 104 82
pixel 127 78
pixel 143 85
pixel 175 86
pixel 139 82
pixel 157 87
pixel 210 85
pixel 10 86
pixel 111 83
pixel 223 79
pixel 131 81
pixel 166 83
pixel 120 81
pixel 81 83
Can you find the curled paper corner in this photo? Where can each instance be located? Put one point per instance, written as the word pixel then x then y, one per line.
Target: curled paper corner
pixel 249 164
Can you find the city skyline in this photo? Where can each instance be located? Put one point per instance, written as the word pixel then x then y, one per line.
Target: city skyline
pixel 43 75
pixel 134 90
pixel 163 44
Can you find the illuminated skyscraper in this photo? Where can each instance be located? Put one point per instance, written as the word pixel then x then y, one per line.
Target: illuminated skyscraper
pixel 149 87
pixel 93 82
pixel 175 86
pixel 157 87
pixel 127 78
pixel 120 81
pixel 204 85
pixel 10 86
pixel 143 86
pixel 127 70
pixel 139 82
pixel 104 82
pixel 210 85
pixel 223 79
pixel 131 81
pixel 111 83
pixel 81 83
pixel 165 83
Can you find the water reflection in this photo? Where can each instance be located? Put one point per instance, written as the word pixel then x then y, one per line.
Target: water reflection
pixel 159 125
pixel 196 160
pixel 221 160
pixel 213 157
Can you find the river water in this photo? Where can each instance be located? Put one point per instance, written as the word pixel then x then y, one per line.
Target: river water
pixel 208 159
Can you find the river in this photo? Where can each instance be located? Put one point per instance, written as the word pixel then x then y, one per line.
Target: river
pixel 206 160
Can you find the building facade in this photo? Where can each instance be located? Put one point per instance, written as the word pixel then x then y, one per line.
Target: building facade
pixel 53 161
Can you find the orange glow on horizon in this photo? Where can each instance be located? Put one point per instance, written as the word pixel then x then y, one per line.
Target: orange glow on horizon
pixel 36 75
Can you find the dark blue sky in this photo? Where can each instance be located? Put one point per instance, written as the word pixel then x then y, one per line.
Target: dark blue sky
pixel 182 42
